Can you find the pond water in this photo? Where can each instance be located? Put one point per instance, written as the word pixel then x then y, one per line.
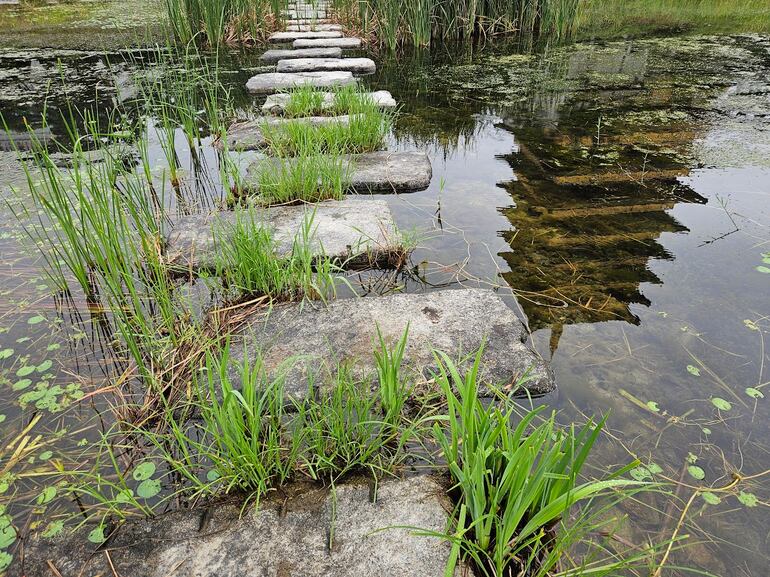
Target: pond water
pixel 621 191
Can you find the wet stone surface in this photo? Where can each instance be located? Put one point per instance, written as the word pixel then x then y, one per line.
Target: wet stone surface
pixel 284 537
pixel 280 37
pixel 356 232
pixel 453 321
pixel 273 81
pixel 355 65
pixel 276 55
pixel 327 43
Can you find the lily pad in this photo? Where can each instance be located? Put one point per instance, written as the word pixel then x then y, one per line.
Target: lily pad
pixel 144 470
pixel 754 393
pixel 44 366
pixel 721 404
pixel 763 269
pixel 148 489
pixel 25 370
pixel 5 560
pixel 696 472
pixel 97 535
pixel 6 354
pixel 46 496
pixel 640 474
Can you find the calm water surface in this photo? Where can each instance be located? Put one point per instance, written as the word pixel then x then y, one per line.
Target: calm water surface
pixel 621 191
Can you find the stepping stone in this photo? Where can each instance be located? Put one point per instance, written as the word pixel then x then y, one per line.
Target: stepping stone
pixel 276 55
pixel 456 322
pixel 276 103
pixel 288 534
pixel 355 65
pixel 348 42
pixel 249 134
pixel 374 172
pixel 273 81
pixel 304 14
pixel 357 232
pixel 278 37
pixel 313 27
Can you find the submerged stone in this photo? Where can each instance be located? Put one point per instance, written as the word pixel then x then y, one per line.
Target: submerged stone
pixel 457 322
pixel 381 172
pixel 279 37
pixel 273 81
pixel 276 103
pixel 355 65
pixel 355 232
pixel 250 134
pixel 327 43
pixel 312 533
pixel 276 55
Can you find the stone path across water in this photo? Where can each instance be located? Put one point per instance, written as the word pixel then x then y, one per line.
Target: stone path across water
pixel 250 134
pixel 276 103
pixel 276 55
pixel 327 43
pixel 272 81
pixel 354 65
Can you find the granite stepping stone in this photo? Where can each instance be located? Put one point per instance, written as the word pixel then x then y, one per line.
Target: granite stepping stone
pixel 313 28
pixel 373 172
pixel 456 322
pixel 275 81
pixel 355 65
pixel 276 55
pixel 355 232
pixel 347 42
pixel 279 37
pixel 276 103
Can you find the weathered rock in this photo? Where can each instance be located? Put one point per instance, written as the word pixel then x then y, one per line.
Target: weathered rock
pixel 313 28
pixel 286 536
pixel 250 134
pixel 310 14
pixel 457 322
pixel 355 65
pixel 276 55
pixel 380 172
pixel 273 81
pixel 327 43
pixel 276 103
pixel 279 37
pixel 355 232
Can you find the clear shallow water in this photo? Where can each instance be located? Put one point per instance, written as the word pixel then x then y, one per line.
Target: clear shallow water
pixel 621 191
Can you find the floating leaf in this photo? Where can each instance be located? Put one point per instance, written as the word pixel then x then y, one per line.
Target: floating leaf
pixel 124 496
pixel 653 406
pixel 148 489
pixel 754 393
pixel 748 499
pixel 46 496
pixel 640 473
pixel 21 384
pixel 53 347
pixel 2 417
pixel 45 455
pixel 721 404
pixel 706 431
pixel 25 370
pixel 37 319
pixel 654 468
pixel 5 560
pixel 212 475
pixel 53 529
pixel 6 354
pixel 7 532
pixel 696 472
pixel 693 370
pixel 711 498
pixel 144 471
pixel 97 535
pixel 763 269
pixel 44 366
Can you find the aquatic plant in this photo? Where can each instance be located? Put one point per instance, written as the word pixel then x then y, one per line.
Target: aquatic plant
pixel 307 177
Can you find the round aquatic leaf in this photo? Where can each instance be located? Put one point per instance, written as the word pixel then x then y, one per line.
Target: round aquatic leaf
pixel 44 366
pixel 5 560
pixel 21 384
pixel 693 370
pixel 53 347
pixel 144 471
pixel 721 404
pixel 6 354
pixel 7 535
pixel 763 269
pixel 654 468
pixel 640 474
pixel 37 319
pixel 25 370
pixel 748 499
pixel 711 498
pixel 53 529
pixel 97 535
pixel 124 496
pixel 696 472
pixel 754 393
pixel 45 455
pixel 212 475
pixel 46 496
pixel 148 489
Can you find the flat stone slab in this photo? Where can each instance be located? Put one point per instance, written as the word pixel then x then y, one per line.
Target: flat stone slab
pixel 356 232
pixel 276 103
pixel 374 172
pixel 279 37
pixel 313 28
pixel 355 65
pixel 454 321
pixel 273 81
pixel 348 42
pixel 276 55
pixel 250 134
pixel 288 535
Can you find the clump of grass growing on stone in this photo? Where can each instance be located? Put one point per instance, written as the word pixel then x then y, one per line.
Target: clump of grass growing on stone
pixel 308 177
pixel 305 101
pixel 252 264
pixel 309 101
pixel 513 485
